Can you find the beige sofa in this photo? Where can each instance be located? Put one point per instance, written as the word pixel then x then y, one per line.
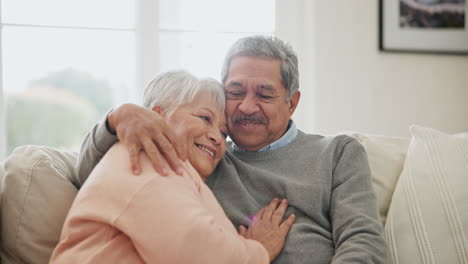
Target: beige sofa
pixel 426 207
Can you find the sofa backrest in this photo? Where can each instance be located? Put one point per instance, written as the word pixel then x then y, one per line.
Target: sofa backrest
pixel 386 157
pixel 37 193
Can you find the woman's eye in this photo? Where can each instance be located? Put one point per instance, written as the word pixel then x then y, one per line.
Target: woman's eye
pixel 206 118
pixel 225 134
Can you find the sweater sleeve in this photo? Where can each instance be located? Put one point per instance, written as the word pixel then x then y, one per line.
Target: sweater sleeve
pixel 357 231
pixel 96 143
pixel 169 221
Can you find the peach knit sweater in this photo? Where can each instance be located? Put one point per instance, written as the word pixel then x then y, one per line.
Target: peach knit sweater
pixel 120 218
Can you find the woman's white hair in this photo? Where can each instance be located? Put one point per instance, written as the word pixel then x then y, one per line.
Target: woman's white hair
pixel 172 89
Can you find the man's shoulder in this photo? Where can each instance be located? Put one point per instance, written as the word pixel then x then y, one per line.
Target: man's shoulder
pixel 337 140
pixel 327 146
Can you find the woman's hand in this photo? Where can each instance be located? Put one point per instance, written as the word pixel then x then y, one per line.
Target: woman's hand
pixel 268 228
pixel 141 129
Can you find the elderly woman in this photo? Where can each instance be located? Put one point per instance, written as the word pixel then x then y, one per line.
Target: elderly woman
pixel 119 218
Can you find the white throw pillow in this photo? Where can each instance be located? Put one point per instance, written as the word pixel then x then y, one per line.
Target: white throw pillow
pixel 428 216
pixel 386 157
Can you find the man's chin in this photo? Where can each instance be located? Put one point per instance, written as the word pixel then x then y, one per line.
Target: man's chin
pixel 250 144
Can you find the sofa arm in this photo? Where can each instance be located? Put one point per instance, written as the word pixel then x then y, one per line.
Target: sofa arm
pixel 37 193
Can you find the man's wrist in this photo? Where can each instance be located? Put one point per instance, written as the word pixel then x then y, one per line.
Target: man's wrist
pixel 109 128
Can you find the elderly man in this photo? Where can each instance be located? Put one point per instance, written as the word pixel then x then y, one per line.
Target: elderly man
pixel 326 180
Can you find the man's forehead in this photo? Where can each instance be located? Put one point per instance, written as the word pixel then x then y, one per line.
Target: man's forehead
pixel 265 85
pixel 250 82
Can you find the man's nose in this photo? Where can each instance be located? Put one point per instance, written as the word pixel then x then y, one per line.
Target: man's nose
pixel 249 105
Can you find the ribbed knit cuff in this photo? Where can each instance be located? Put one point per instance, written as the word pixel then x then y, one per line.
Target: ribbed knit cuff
pixel 104 139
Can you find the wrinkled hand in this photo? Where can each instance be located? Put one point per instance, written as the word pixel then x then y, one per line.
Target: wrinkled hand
pixel 141 129
pixel 267 227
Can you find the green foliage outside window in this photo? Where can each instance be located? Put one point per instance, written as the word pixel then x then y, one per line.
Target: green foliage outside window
pixel 57 110
pixel 81 84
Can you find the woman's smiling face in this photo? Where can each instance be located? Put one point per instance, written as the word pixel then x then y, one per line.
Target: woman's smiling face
pixel 203 125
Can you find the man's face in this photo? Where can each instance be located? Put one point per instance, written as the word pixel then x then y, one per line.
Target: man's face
pixel 257 111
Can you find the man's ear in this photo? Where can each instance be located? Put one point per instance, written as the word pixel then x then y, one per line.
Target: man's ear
pixel 294 101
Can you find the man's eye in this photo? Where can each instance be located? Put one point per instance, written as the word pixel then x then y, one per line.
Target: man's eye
pixel 261 96
pixel 234 93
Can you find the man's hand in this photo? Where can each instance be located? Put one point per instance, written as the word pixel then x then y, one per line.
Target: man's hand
pixel 141 129
pixel 268 229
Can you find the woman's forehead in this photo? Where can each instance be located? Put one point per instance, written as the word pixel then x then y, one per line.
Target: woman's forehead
pixel 205 99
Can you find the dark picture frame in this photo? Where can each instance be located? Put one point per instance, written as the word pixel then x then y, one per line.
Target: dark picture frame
pixel 413 26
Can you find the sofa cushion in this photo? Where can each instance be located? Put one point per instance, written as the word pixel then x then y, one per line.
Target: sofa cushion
pixel 37 192
pixel 386 157
pixel 428 218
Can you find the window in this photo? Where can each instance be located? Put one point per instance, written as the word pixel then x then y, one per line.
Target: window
pixel 66 63
pixel 64 67
pixel 196 34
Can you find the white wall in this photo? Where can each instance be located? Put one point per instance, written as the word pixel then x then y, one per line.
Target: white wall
pixel 295 24
pixel 348 84
pixel 2 106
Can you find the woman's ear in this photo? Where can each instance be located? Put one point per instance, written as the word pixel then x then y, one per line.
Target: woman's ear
pixel 158 109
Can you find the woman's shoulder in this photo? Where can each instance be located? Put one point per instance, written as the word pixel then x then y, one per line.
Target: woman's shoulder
pixel 111 184
pixel 115 168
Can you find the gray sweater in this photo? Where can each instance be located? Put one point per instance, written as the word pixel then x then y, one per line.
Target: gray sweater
pixel 325 179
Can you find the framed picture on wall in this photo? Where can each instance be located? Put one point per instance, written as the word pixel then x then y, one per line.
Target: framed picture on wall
pixel 435 26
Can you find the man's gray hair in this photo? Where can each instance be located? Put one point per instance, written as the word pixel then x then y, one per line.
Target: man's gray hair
pixel 267 47
pixel 172 89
